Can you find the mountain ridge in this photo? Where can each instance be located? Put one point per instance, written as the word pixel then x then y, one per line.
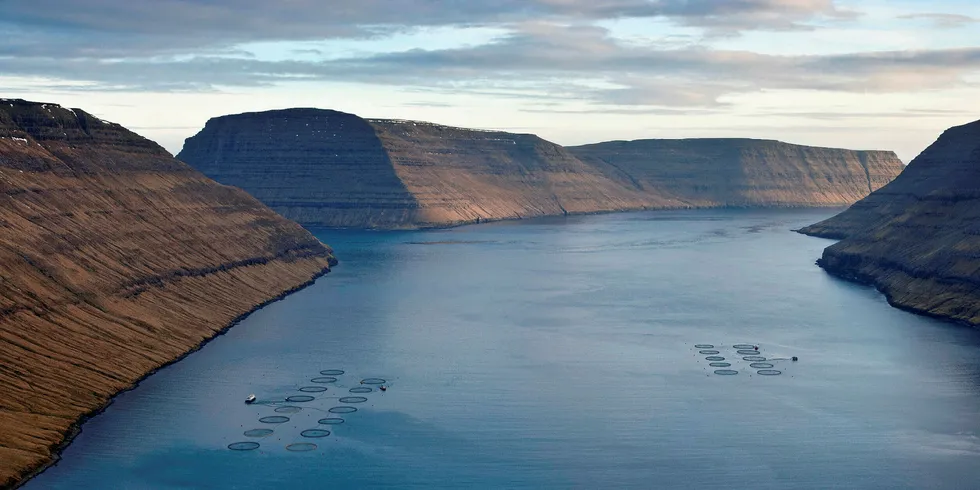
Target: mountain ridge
pixel 115 260
pixel 917 238
pixel 394 174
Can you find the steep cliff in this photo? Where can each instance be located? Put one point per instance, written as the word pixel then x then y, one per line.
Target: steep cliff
pixel 318 167
pixel 329 168
pixel 461 175
pixel 115 259
pixel 744 172
pixel 918 238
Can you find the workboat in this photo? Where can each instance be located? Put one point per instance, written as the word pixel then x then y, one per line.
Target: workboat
pixel 250 399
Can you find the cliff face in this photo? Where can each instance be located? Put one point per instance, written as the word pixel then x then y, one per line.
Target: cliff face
pixel 329 168
pixel 318 167
pixel 918 238
pixel 745 172
pixel 115 259
pixel 462 175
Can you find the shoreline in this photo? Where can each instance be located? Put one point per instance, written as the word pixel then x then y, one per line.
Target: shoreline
pixel 76 427
pixel 871 281
pixel 458 224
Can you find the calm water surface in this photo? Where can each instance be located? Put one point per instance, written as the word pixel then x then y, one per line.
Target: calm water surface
pixel 560 354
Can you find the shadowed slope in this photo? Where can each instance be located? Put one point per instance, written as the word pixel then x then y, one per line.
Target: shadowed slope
pixel 318 167
pixel 918 238
pixel 116 259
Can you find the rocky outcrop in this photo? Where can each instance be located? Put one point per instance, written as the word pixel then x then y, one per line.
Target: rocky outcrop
pixel 744 172
pixel 327 168
pixel 115 259
pixel 918 238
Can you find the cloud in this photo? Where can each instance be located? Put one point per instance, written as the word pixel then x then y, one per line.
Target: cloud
pixel 625 111
pixel 126 28
pixel 880 115
pixel 942 21
pixel 739 15
pixel 542 60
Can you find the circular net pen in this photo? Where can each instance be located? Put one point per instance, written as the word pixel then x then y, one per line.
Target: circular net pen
pixel 313 389
pixel 259 433
pixel 301 447
pixel 315 433
pixel 353 399
pixel 243 446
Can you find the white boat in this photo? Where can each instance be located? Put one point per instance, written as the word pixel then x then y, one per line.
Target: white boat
pixel 250 399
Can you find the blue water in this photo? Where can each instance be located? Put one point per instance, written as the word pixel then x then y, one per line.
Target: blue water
pixel 560 354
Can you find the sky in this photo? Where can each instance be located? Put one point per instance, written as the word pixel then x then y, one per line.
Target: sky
pixel 869 74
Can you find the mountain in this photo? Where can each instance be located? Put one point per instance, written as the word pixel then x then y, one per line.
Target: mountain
pixel 328 168
pixel 745 172
pixel 917 239
pixel 115 260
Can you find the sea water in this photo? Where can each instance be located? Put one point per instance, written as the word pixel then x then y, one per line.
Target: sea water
pixel 559 353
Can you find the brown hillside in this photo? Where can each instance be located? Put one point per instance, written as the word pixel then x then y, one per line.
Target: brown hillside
pixel 116 259
pixel 918 238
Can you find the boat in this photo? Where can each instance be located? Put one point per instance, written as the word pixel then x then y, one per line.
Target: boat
pixel 250 399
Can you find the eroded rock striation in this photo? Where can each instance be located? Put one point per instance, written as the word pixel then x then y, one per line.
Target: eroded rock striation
pixel 329 168
pixel 115 259
pixel 744 172
pixel 917 239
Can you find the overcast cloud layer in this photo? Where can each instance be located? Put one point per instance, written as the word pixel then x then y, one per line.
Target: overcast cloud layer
pixel 548 51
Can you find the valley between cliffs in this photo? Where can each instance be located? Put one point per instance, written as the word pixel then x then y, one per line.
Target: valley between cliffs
pixel 115 260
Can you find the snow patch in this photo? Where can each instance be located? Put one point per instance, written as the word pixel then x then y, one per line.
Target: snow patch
pixel 20 139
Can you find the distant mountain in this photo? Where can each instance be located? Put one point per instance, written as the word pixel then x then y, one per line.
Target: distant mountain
pixel 744 172
pixel 918 238
pixel 115 260
pixel 328 168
